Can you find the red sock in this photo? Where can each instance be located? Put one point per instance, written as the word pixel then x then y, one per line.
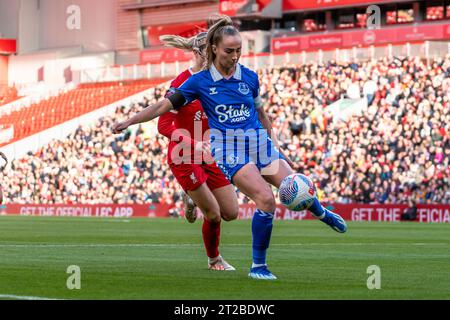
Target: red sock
pixel 211 238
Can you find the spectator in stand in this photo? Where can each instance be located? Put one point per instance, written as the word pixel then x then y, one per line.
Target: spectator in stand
pixel 410 213
pixel 397 150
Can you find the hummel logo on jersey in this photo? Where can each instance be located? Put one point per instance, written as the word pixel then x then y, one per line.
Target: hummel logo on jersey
pixel 193 178
pixel 213 91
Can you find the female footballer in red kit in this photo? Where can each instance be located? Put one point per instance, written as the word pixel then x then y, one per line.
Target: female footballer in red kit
pixel 204 182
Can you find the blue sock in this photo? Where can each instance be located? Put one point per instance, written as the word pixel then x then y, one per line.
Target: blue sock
pixel 262 231
pixel 317 209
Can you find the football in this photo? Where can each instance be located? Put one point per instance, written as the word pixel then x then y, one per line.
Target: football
pixel 297 192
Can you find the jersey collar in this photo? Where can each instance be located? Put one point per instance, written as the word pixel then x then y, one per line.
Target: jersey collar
pixel 192 71
pixel 215 74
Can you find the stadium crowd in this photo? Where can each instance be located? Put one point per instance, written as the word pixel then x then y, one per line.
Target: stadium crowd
pixel 396 151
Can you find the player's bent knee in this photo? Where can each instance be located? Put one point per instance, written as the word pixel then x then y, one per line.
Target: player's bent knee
pixel 212 215
pixel 266 202
pixel 214 219
pixel 230 216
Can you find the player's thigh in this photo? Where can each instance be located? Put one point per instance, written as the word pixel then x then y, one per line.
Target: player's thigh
pixel 228 202
pixel 249 181
pixel 275 172
pixel 206 201
pixel 192 179
pixel 223 190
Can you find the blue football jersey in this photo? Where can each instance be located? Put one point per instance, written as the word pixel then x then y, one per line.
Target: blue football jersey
pixel 229 104
pixel 237 136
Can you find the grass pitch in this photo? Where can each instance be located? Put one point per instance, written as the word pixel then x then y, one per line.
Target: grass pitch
pixel 165 259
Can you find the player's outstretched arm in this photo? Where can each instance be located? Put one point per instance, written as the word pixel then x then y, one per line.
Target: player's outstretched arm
pixel 145 115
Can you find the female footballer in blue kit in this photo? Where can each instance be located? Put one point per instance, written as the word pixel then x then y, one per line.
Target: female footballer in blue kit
pixel 240 134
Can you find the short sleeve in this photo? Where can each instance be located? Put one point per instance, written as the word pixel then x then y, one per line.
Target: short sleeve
pixel 255 90
pixel 255 85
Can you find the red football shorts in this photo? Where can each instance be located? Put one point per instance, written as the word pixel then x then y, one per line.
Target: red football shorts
pixel 192 176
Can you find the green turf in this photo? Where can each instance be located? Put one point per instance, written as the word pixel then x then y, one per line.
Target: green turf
pixel 165 259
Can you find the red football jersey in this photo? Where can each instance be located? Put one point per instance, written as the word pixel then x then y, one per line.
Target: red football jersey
pixel 190 117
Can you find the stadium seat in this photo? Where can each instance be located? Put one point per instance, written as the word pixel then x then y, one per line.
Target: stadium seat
pixel 71 104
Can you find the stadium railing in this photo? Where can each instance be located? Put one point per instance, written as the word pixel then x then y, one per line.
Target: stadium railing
pixel 426 50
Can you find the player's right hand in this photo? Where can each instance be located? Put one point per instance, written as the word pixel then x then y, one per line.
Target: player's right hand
pixel 204 148
pixel 118 127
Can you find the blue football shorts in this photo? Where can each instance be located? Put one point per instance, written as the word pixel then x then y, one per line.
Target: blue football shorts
pixel 231 156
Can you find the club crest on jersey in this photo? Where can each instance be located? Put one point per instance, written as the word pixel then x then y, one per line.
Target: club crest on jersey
pixel 232 161
pixel 243 88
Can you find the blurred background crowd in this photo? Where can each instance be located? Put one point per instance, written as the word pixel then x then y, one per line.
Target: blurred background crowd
pixel 396 151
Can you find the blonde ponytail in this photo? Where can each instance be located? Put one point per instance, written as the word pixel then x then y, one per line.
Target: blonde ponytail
pixel 178 42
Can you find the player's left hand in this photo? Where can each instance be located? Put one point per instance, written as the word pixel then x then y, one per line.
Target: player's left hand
pixel 205 148
pixel 291 164
pixel 119 127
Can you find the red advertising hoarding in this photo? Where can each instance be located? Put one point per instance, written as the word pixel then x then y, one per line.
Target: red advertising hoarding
pixel 447 31
pixel 8 46
pixel 362 212
pixel 186 30
pixel 294 5
pixel 231 7
pixel 85 210
pixel 364 37
pixel 350 212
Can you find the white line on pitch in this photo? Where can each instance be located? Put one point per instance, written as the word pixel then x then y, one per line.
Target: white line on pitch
pixel 156 245
pixel 14 297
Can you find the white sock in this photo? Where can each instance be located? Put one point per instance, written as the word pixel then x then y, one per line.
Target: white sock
pixel 254 265
pixel 210 260
pixel 323 215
